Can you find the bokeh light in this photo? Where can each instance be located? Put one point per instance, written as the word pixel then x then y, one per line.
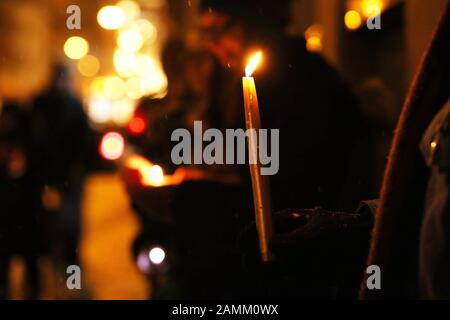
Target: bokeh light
pixel 314 35
pixel 137 125
pixel 88 66
pixel 130 40
pixel 371 7
pixel 114 87
pixel 133 88
pixel 153 176
pixel 97 85
pixel 125 63
pixel 76 47
pixel 314 44
pixel 111 17
pixel 153 83
pixel 143 262
pixel 352 20
pixel 147 30
pixel 112 146
pixel 122 111
pixel 157 255
pixel 99 110
pixel 130 8
pixel 137 162
pixel 152 78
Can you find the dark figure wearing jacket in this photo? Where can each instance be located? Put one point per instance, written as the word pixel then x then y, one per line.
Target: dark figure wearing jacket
pixel 19 232
pixel 299 93
pixel 319 122
pixel 409 238
pixel 59 139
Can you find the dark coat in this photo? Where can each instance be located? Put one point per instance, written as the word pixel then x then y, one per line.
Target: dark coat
pixel 320 124
pixel 434 250
pixel 18 218
pixel 396 234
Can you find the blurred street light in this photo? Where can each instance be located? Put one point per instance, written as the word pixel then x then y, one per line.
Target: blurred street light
pixel 125 63
pixel 352 20
pixel 313 36
pixel 111 17
pixel 157 255
pixel 99 109
pixel 133 88
pixel 88 66
pixel 137 125
pixel 147 30
pixel 122 111
pixel 114 87
pixel 153 176
pixel 130 8
pixel 130 40
pixel 112 146
pixel 76 47
pixel 371 7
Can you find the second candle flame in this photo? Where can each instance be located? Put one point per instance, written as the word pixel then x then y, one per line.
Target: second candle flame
pixel 253 63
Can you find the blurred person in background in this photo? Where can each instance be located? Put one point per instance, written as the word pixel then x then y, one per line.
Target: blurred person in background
pixel 322 129
pixel 407 229
pixel 193 207
pixel 60 131
pixel 19 233
pixel 299 93
pixel 190 74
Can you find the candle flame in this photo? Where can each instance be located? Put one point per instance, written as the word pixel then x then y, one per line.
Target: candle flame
pixel 253 63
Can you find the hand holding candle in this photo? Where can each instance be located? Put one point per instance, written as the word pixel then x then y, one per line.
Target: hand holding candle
pixel 260 184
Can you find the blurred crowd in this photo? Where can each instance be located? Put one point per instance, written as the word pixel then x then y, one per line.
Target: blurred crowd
pixel 44 157
pixel 47 147
pixel 325 149
pixel 329 146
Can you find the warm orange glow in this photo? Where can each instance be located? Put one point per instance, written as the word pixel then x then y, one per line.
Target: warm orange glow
pixel 352 20
pixel 89 65
pixel 253 63
pixel 130 40
pixel 137 162
pixel 133 88
pixel 121 111
pixel 113 87
pixel 137 125
pixel 314 35
pixel 372 7
pixel 130 9
pixel 112 146
pixel 125 63
pixel 51 198
pixel 153 176
pixel 76 47
pixel 314 44
pixel 111 17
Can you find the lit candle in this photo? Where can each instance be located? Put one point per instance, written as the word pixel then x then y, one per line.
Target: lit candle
pixel 260 184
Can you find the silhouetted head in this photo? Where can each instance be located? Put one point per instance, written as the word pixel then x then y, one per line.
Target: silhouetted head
pixel 231 27
pixel 60 77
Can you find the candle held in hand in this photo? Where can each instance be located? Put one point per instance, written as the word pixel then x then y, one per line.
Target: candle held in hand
pixel 260 184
